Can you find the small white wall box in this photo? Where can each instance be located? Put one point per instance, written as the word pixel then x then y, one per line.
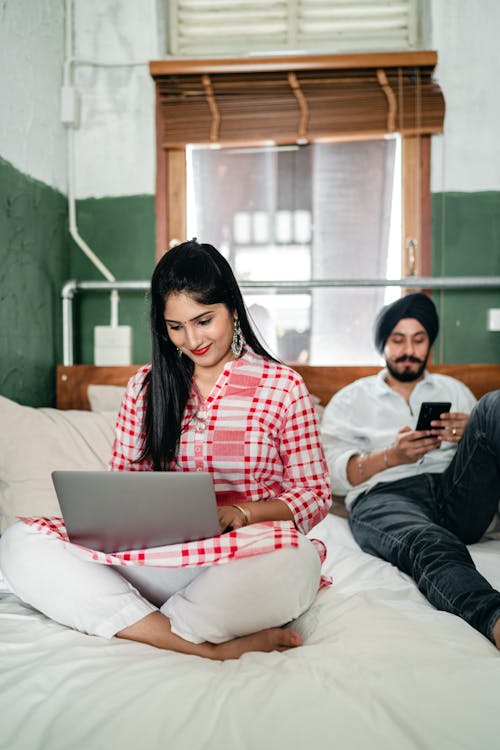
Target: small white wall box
pixel 112 345
pixel 70 106
pixel 493 319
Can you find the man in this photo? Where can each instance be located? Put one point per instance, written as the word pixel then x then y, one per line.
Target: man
pixel 416 498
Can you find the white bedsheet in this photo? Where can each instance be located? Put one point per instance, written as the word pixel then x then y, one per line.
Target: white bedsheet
pixel 380 668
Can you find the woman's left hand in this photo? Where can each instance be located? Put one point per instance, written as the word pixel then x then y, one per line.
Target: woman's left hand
pixel 454 425
pixel 232 517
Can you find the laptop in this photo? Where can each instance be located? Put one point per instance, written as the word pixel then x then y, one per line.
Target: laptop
pixel 115 511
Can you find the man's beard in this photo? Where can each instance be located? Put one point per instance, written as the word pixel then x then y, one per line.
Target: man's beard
pixel 407 376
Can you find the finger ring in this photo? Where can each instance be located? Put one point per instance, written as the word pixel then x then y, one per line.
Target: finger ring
pixel 454 432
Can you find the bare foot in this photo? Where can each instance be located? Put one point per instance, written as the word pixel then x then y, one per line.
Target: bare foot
pixel 271 639
pixel 496 633
pixel 155 630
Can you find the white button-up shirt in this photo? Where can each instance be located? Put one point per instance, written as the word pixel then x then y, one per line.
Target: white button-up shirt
pixel 366 416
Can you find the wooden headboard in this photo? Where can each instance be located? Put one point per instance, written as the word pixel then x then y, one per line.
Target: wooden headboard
pixel 323 381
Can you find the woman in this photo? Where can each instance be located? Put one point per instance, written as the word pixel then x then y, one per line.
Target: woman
pixel 212 399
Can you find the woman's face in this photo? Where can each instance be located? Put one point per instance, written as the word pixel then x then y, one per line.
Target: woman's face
pixel 202 332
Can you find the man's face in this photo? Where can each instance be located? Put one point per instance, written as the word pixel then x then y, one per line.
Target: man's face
pixel 406 350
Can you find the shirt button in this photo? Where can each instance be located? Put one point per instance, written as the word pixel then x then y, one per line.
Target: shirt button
pixel 199 469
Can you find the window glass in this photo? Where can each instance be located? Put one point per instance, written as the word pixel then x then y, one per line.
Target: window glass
pixel 323 211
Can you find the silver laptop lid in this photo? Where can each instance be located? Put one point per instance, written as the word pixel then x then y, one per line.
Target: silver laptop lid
pixel 113 511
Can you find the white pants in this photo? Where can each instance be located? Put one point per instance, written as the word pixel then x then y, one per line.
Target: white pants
pixel 213 603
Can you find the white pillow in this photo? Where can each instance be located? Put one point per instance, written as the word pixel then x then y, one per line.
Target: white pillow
pixel 34 442
pixel 105 397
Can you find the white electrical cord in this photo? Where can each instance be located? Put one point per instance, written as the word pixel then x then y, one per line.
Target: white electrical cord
pixel 109 63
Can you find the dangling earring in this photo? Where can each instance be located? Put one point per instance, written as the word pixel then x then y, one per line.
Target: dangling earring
pixel 179 353
pixel 238 340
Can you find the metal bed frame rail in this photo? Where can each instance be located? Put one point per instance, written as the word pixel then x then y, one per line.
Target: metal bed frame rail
pixel 72 287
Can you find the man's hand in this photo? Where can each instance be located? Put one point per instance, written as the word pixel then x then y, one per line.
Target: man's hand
pixel 453 426
pixel 411 445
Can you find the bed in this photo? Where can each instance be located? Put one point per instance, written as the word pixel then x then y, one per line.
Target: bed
pixel 380 667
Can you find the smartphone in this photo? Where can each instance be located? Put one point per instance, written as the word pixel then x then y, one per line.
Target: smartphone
pixel 429 411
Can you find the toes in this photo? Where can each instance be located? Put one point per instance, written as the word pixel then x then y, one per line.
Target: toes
pixel 290 638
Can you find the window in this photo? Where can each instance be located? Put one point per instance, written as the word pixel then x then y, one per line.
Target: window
pixel 306 172
pixel 206 27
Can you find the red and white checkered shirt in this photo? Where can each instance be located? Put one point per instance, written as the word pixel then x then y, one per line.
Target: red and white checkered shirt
pixel 256 433
pixel 256 539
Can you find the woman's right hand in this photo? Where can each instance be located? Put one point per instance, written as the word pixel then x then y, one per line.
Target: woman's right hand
pixel 231 517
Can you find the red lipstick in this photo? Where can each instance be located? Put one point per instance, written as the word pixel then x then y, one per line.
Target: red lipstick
pixel 200 352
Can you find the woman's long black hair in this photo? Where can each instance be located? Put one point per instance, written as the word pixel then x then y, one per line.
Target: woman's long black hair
pixel 202 272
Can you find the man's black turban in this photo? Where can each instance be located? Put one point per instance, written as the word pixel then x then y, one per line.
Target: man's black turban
pixel 418 306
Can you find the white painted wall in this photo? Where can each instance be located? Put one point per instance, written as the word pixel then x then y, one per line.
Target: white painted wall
pixel 31 59
pixel 115 143
pixel 465 34
pixel 115 140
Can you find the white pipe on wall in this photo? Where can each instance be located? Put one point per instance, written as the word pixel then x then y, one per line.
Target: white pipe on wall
pixel 69 92
pixel 413 282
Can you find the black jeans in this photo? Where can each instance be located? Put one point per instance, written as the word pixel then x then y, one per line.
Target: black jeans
pixel 422 523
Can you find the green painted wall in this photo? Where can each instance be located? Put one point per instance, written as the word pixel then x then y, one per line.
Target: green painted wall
pixel 33 265
pixel 466 242
pixel 121 231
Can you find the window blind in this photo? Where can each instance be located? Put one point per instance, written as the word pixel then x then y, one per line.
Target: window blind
pixel 295 99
